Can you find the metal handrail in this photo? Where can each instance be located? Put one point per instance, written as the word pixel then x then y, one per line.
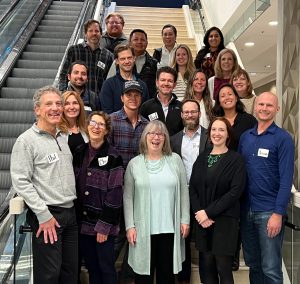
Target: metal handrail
pixel 196 5
pixel 6 13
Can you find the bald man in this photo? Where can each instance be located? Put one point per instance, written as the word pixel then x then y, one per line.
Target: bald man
pixel 268 151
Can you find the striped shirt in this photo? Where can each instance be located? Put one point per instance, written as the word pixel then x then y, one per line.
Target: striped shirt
pixel 98 62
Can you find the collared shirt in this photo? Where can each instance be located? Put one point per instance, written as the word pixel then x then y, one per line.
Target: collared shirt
pixel 190 150
pixel 166 56
pixel 269 159
pixel 124 136
pixel 98 62
pixel 139 62
pixel 164 107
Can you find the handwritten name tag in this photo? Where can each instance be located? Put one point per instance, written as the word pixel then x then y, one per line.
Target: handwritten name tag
pixel 102 161
pixel 153 116
pixel 263 153
pixel 52 158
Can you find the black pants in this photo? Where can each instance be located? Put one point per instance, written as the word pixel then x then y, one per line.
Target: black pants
pixel 99 259
pixel 58 262
pixel 161 261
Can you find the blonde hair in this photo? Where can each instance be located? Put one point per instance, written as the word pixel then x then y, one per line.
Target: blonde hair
pixel 115 15
pixel 64 124
pixel 190 67
pixel 218 69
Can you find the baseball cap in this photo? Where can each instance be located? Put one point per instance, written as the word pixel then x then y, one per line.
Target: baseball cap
pixel 132 85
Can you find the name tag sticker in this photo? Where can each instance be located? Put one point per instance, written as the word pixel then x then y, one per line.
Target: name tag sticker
pixel 101 64
pixel 102 161
pixel 263 153
pixel 52 158
pixel 153 116
pixel 87 108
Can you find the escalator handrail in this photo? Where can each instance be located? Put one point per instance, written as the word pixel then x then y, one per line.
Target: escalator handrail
pixel 6 13
pixel 21 40
pixel 75 35
pixel 292 226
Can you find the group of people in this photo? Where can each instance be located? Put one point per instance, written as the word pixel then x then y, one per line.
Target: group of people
pixel 147 150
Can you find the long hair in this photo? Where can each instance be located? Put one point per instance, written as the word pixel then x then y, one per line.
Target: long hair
pixel 228 128
pixel 218 69
pixel 64 124
pixel 242 72
pixel 218 109
pixel 190 93
pixel 190 67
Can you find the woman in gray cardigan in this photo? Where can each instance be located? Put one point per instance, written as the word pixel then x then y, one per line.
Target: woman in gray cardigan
pixel 156 208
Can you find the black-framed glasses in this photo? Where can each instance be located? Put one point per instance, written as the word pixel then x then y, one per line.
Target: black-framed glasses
pixel 192 112
pixel 152 134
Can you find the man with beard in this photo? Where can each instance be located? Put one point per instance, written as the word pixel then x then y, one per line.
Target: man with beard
pixel 97 59
pixel 78 78
pixel 188 144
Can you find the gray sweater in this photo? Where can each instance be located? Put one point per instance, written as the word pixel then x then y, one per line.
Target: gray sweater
pixel 42 172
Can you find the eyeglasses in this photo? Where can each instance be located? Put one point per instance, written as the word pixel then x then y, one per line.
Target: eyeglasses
pixel 94 123
pixel 152 134
pixel 192 112
pixel 114 23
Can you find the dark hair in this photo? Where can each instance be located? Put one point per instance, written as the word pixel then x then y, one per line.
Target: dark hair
pixel 137 31
pixel 79 62
pixel 106 118
pixel 171 27
pixel 228 128
pixel 218 110
pixel 89 22
pixel 189 101
pixel 122 47
pixel 206 36
pixel 167 69
pixel 239 72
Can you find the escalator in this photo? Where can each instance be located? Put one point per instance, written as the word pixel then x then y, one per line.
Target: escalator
pixel 36 67
pixel 33 49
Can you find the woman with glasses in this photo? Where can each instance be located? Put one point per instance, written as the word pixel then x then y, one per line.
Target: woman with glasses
pixel 99 178
pixel 156 208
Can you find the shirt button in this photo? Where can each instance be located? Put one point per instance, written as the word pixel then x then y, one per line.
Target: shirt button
pixel 86 193
pixel 89 174
pixel 84 213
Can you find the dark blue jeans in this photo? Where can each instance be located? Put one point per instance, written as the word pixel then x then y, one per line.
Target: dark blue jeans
pixel 99 259
pixel 262 254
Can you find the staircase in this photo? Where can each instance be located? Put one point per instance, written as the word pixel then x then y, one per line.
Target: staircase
pixel 151 20
pixel 36 67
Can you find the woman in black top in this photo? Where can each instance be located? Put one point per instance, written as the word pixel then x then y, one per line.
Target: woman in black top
pixel 216 184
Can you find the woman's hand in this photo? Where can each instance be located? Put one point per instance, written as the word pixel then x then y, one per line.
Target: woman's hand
pixel 185 229
pixel 201 216
pixel 131 236
pixel 101 238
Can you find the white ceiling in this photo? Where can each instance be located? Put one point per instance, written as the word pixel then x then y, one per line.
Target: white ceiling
pixel 263 53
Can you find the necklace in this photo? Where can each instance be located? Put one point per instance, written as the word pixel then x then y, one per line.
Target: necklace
pixel 154 166
pixel 212 159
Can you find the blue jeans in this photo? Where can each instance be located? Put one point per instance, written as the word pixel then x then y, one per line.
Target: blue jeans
pixel 262 254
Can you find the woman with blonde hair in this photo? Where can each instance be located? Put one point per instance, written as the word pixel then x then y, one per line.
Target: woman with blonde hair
pixel 156 208
pixel 184 65
pixel 197 89
pixel 225 65
pixel 73 120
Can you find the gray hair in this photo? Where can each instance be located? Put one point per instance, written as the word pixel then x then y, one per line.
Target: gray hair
pixel 40 92
pixel 155 125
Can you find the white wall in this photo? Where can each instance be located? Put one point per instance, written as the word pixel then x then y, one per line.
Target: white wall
pixel 220 11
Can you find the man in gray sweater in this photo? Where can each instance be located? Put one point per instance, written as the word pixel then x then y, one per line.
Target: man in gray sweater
pixel 42 173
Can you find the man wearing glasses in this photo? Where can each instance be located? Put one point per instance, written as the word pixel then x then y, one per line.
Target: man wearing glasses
pixel 188 144
pixel 114 32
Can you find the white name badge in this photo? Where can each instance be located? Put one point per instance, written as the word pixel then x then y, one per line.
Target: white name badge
pixel 102 161
pixel 87 108
pixel 263 153
pixel 153 116
pixel 101 64
pixel 52 158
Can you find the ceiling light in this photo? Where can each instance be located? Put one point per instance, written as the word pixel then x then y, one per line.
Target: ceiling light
pixel 249 44
pixel 252 74
pixel 273 23
pixel 267 66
